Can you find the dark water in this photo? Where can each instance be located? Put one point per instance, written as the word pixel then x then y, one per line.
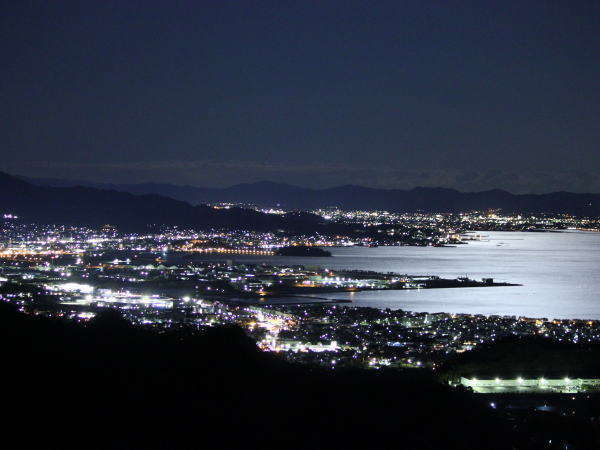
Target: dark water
pixel 560 273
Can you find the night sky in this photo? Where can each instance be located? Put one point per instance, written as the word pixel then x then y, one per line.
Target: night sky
pixel 470 95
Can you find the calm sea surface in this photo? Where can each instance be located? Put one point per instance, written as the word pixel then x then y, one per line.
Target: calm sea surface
pixel 560 274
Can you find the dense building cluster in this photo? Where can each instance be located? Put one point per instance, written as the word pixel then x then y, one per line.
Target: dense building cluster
pixel 448 226
pixel 331 334
pixel 156 281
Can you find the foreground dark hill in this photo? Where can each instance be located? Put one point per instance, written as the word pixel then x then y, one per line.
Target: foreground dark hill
pixel 527 357
pixel 80 205
pixel 357 197
pixel 108 385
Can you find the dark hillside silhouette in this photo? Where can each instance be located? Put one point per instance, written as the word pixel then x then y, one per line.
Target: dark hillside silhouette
pixel 183 388
pixel 425 199
pixel 95 207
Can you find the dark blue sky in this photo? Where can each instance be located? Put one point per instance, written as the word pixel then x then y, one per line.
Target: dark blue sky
pixel 462 94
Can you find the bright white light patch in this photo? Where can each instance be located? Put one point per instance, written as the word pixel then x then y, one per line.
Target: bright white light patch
pixel 76 287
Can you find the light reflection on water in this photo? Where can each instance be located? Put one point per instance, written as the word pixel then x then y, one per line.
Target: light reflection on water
pixel 560 274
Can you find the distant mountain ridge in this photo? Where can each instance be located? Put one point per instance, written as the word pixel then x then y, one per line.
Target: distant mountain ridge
pixel 266 193
pixel 81 205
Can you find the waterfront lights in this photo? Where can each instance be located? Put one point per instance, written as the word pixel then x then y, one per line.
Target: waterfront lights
pixel 497 380
pixel 567 380
pixel 519 380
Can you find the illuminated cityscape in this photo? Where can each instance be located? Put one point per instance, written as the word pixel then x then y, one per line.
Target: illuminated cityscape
pixel 156 282
pixel 300 225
